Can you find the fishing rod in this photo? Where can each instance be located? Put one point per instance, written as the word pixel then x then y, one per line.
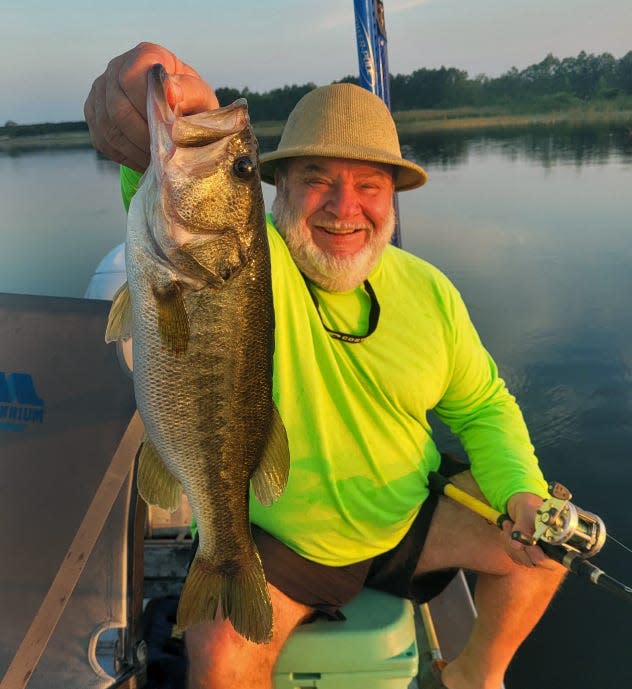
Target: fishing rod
pixel 372 48
pixel 565 532
pixel 374 76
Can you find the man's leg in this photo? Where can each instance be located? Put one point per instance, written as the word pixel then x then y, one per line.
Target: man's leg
pixel 510 598
pixel 219 658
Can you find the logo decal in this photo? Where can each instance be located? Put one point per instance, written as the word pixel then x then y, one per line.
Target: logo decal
pixel 19 402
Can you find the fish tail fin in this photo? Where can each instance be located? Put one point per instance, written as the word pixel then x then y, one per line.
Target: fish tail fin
pixel 270 477
pixel 119 325
pixel 242 596
pixel 156 485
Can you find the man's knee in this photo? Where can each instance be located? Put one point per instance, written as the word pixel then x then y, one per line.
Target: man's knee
pixel 220 657
pixel 217 654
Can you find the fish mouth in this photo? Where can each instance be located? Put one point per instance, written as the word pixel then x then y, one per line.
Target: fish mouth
pixel 172 130
pixel 202 129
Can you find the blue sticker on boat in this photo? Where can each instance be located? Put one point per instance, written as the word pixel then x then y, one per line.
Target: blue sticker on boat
pixel 20 405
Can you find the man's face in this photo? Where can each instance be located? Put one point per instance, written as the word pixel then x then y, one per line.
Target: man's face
pixel 336 216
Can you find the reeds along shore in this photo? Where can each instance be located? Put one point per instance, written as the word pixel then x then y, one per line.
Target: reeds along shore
pixel 408 122
pixel 418 121
pixel 431 120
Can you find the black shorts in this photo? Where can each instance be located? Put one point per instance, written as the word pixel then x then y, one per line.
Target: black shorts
pixel 326 589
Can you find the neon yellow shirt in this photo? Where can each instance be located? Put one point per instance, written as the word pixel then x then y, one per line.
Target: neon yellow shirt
pixel 356 413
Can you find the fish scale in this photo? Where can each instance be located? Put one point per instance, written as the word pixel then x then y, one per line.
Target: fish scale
pixel 198 306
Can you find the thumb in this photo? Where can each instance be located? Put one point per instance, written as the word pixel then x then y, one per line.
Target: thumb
pixel 518 537
pixel 190 93
pixel 522 507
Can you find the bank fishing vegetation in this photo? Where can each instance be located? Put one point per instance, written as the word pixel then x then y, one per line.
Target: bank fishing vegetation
pixel 573 90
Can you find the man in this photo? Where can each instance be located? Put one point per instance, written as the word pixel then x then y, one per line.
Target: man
pixel 368 339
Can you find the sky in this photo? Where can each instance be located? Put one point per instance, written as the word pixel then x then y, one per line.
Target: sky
pixel 51 52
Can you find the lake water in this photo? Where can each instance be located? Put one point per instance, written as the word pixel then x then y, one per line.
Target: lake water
pixel 535 230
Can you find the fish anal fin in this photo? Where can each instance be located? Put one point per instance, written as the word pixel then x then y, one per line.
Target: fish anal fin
pixel 240 595
pixel 270 477
pixel 156 485
pixel 119 325
pixel 173 321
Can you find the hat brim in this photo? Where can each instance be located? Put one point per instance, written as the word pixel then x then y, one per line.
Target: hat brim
pixel 409 175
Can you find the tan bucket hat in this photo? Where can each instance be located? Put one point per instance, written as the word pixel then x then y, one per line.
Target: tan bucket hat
pixel 343 121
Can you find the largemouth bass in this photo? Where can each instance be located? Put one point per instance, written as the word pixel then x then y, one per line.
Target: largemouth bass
pixel 198 306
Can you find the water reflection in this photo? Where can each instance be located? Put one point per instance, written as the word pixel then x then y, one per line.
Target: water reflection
pixel 548 146
pixel 61 214
pixel 534 229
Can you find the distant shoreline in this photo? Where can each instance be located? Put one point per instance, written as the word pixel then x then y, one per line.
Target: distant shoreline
pixel 408 122
pixel 50 140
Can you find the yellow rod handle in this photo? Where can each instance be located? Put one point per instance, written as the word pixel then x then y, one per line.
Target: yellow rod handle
pixel 472 503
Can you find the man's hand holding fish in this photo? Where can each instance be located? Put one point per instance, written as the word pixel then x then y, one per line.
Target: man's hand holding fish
pixel 117 105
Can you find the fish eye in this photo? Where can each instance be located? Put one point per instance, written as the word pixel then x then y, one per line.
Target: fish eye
pixel 244 167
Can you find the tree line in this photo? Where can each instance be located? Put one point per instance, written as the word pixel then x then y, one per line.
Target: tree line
pixel 550 84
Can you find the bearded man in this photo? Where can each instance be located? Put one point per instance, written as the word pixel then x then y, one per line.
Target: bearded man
pixel 368 339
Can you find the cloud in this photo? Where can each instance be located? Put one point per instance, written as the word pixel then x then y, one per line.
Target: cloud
pixel 401 5
pixel 327 21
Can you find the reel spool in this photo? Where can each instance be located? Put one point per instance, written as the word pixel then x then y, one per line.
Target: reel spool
pixel 559 522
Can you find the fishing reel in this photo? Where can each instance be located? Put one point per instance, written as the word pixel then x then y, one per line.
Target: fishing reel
pixel 559 522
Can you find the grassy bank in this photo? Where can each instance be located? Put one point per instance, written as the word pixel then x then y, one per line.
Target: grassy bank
pixel 50 140
pixel 408 122
pixel 419 121
pixel 436 121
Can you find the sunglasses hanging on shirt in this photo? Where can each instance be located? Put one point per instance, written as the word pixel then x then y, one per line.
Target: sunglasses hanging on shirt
pixel 374 316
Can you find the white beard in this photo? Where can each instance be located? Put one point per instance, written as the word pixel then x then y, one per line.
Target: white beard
pixel 332 273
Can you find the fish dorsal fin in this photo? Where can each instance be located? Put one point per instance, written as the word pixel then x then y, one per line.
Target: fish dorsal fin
pixel 156 485
pixel 173 321
pixel 270 477
pixel 119 325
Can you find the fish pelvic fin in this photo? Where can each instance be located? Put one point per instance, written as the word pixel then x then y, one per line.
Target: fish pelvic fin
pixel 270 477
pixel 173 321
pixel 119 325
pixel 241 596
pixel 156 485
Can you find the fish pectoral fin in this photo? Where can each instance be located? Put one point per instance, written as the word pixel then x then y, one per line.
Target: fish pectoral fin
pixel 119 325
pixel 156 485
pixel 241 595
pixel 173 321
pixel 270 477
